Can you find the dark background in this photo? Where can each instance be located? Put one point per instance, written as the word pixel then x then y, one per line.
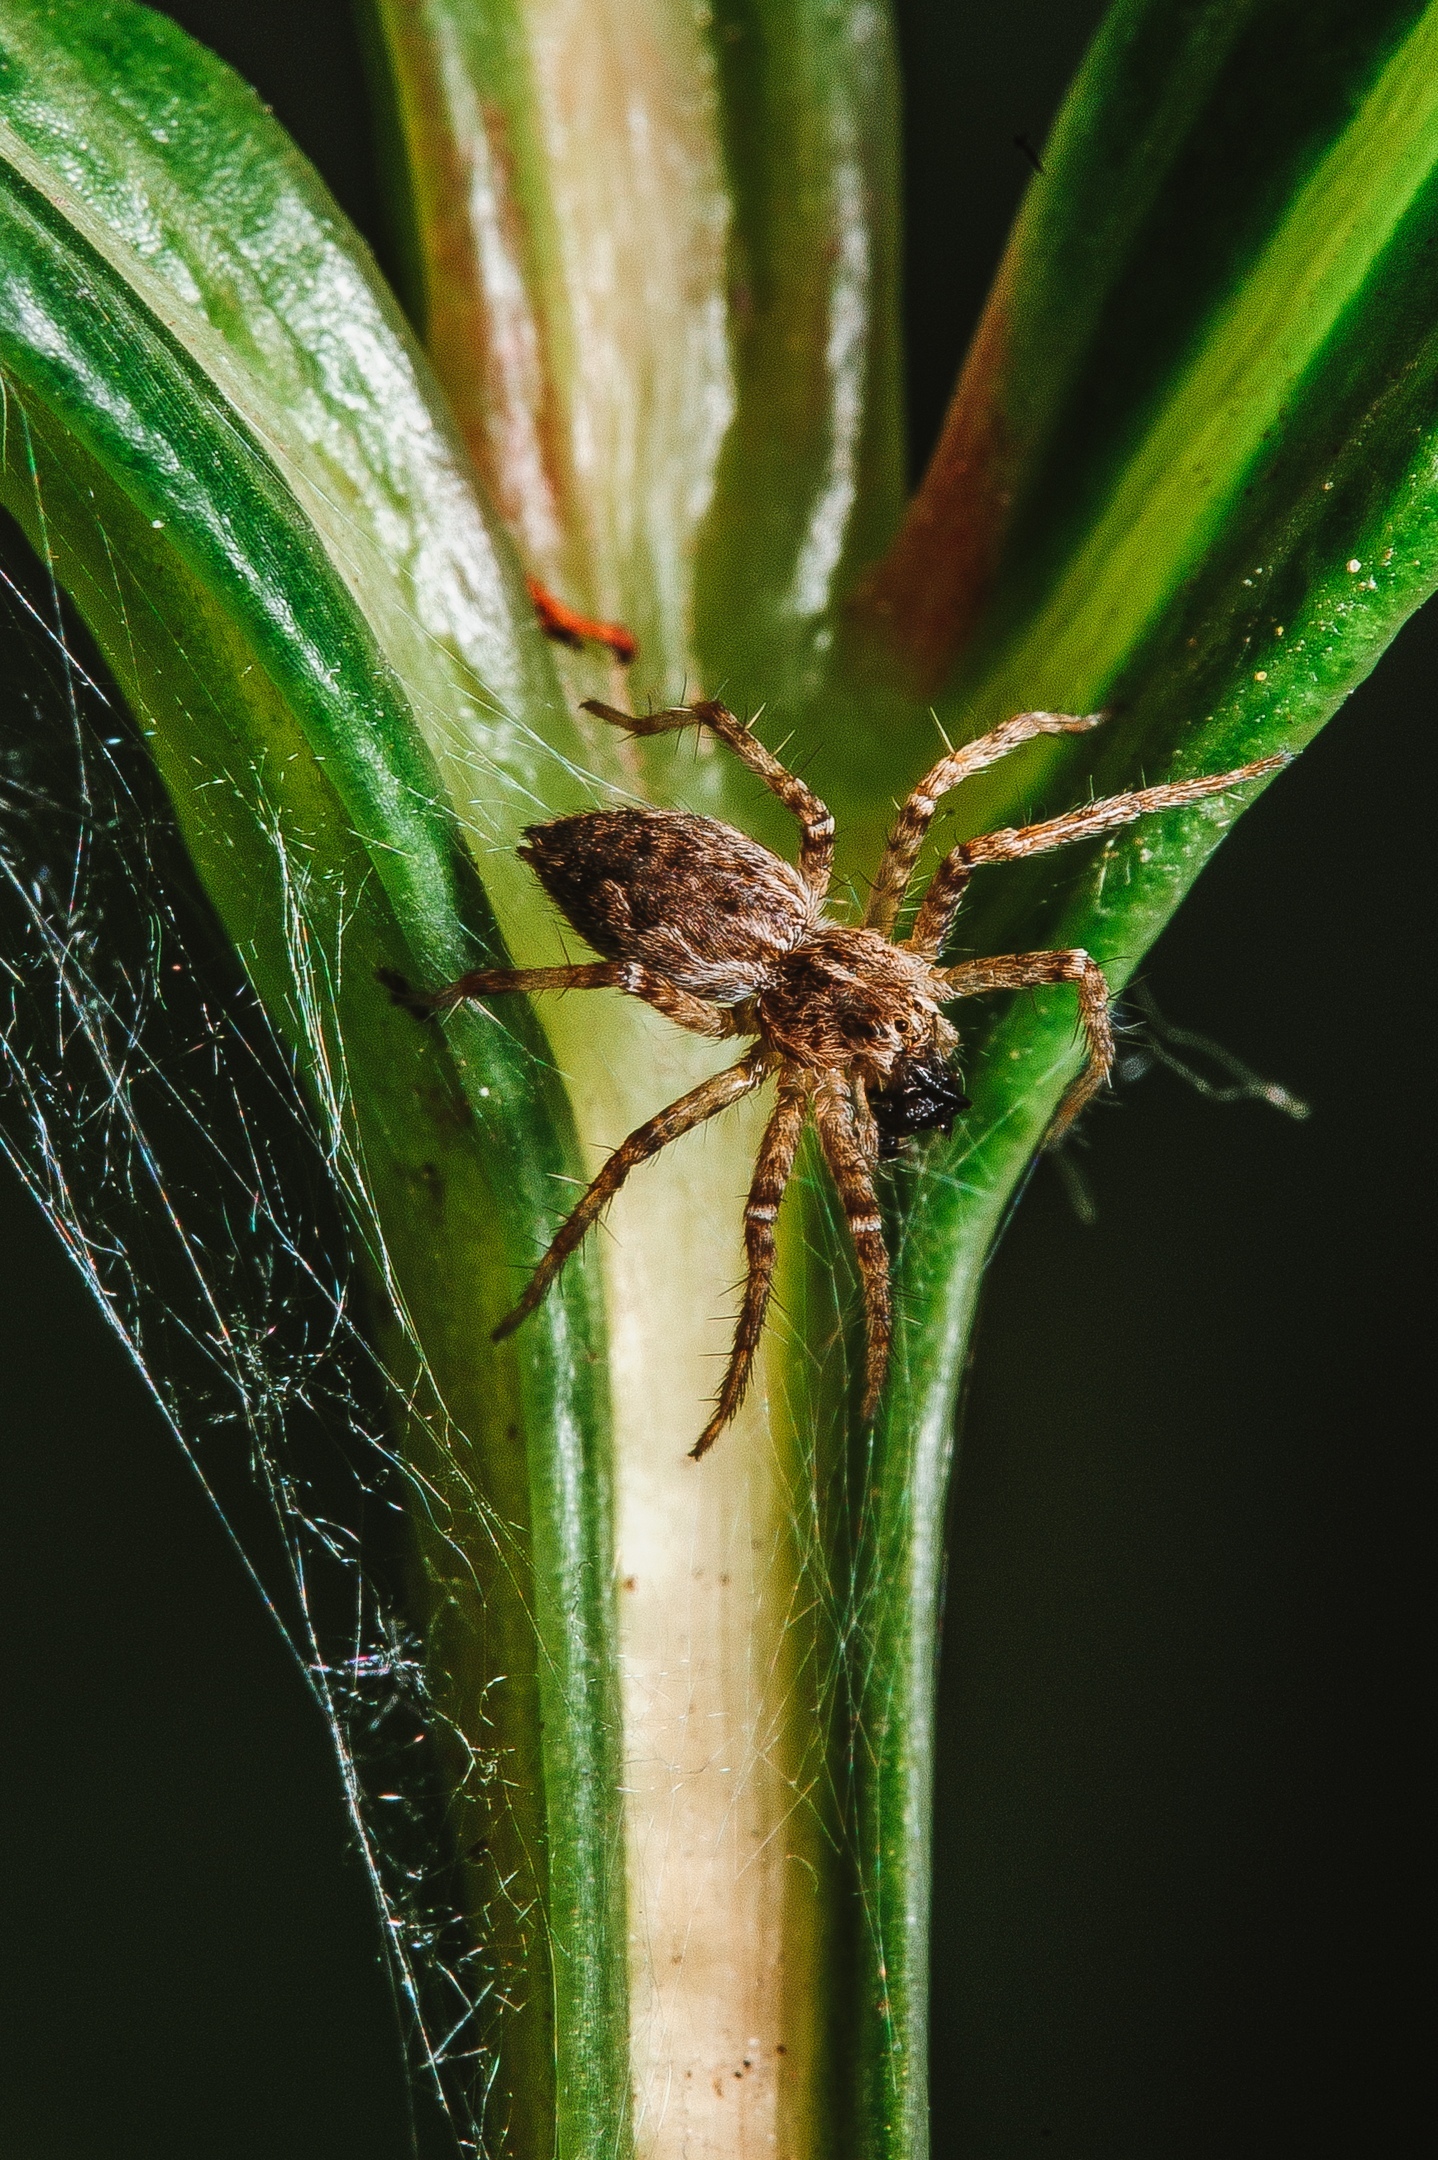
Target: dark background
pixel 1178 1885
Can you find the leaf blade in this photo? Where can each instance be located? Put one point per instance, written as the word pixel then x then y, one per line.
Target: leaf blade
pixel 304 724
pixel 1224 614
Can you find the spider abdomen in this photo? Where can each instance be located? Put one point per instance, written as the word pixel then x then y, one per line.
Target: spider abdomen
pixel 689 897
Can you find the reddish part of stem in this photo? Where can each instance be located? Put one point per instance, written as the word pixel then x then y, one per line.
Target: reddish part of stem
pixel 922 600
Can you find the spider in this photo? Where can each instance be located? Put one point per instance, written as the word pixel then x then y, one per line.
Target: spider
pixel 728 940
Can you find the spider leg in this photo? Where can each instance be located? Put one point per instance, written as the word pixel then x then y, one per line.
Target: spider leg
pixel 772 1170
pixel 896 867
pixel 719 1022
pixel 495 982
pixel 931 926
pixel 851 1147
pixel 816 822
pixel 1026 971
pixel 692 1109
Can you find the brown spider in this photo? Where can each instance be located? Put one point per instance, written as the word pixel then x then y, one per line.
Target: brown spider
pixel 726 939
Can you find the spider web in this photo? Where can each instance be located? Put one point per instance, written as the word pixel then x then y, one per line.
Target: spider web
pixel 149 1107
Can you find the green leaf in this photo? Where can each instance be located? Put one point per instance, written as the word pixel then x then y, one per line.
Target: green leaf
pixel 1226 204
pixel 809 485
pixel 1189 473
pixel 218 435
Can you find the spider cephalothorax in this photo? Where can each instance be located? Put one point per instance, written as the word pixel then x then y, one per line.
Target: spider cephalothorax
pixel 729 940
pixel 846 999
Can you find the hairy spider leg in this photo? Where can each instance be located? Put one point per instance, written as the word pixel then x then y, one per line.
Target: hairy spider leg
pixel 850 1142
pixel 1028 971
pixel 718 1022
pixel 702 1102
pixel 1010 844
pixel 891 880
pixel 816 822
pixel 497 982
pixel 772 1170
